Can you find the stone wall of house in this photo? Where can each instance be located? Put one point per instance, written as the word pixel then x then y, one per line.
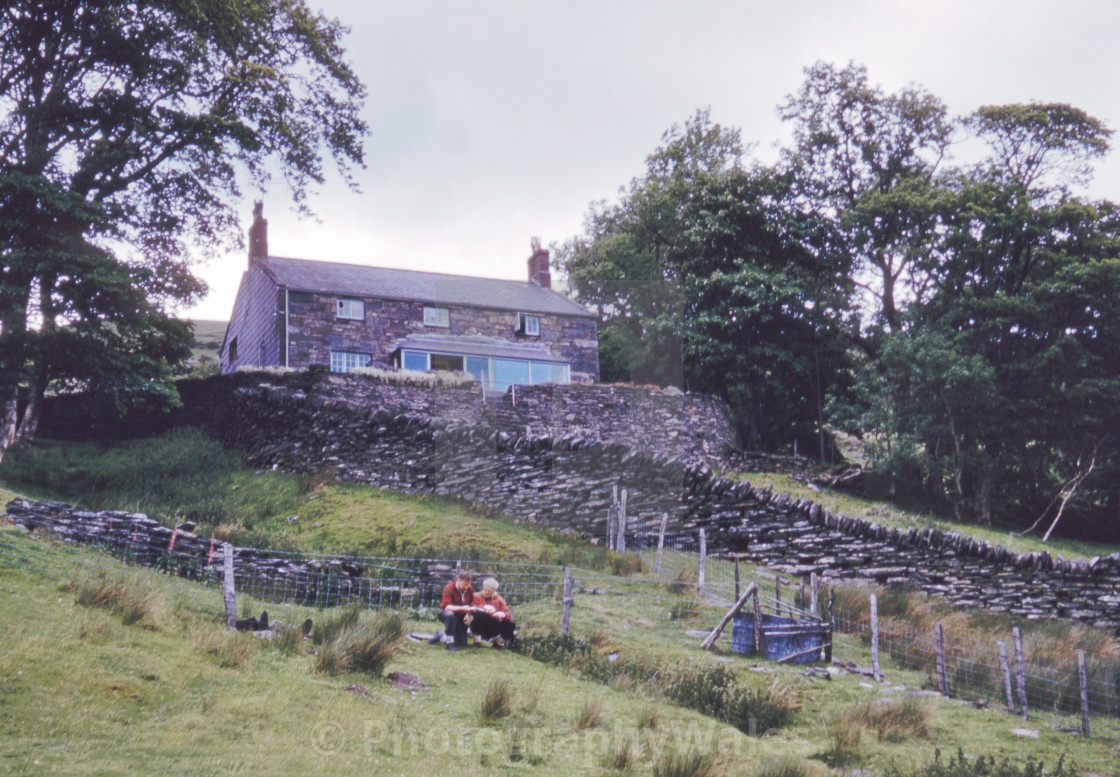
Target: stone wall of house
pixel 692 427
pixel 315 330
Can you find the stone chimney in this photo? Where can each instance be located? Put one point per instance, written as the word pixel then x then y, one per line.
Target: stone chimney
pixel 258 234
pixel 538 265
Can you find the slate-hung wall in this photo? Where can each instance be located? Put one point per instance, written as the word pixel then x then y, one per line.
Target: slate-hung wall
pixel 565 483
pixel 314 330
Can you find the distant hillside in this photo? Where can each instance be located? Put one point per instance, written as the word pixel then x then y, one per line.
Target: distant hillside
pixel 207 344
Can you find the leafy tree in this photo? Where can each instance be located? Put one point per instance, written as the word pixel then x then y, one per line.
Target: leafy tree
pixel 702 277
pixel 862 161
pixel 126 129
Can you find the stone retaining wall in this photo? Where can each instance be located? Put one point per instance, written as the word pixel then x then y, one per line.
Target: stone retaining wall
pixel 565 481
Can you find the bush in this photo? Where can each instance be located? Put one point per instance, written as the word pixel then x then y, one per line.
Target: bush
pixel 134 599
pixel 844 734
pixel 897 720
pixel 367 646
pixel 756 711
pixel 496 703
pixel 621 755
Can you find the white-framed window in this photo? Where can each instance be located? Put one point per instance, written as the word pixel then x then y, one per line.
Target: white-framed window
pixel 348 361
pixel 353 309
pixel 528 324
pixel 415 360
pixel 436 317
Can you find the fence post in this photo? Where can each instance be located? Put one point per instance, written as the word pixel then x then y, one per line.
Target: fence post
pixel 661 541
pixel 620 543
pixel 778 595
pixel 831 624
pixel 757 623
pixel 1082 676
pixel 703 561
pixel 612 519
pixel 875 636
pixel 566 616
pixel 1021 672
pixel 942 674
pixel 228 592
pixel 736 578
pixel 814 593
pixel 1006 669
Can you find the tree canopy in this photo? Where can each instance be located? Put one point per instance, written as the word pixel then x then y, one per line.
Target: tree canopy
pixel 127 131
pixel 963 319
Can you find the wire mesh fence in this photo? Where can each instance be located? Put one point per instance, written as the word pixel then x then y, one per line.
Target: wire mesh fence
pixel 667 605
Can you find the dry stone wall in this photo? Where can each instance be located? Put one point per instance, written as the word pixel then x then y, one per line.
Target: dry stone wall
pixel 437 442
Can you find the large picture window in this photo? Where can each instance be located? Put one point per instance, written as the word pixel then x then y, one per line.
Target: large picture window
pixel 348 361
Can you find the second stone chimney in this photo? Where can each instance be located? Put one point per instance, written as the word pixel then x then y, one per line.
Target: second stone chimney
pixel 538 265
pixel 258 234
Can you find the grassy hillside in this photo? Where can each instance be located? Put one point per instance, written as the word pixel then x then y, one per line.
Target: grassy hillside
pixel 83 693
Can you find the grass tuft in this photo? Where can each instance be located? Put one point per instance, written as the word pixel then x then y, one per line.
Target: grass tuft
pixel 134 599
pixel 690 763
pixel 590 713
pixel 496 703
pixel 621 755
pixel 231 649
pixel 366 646
pixel 787 766
pixel 328 626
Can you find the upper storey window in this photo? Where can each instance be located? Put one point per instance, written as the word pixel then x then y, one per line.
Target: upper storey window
pixel 528 325
pixel 437 317
pixel 352 309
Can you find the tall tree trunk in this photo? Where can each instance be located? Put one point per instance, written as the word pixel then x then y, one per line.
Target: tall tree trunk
pixel 29 421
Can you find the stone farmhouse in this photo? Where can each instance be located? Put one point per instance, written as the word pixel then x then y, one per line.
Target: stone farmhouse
pixel 298 313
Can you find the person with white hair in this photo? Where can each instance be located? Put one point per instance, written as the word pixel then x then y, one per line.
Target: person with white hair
pixel 491 618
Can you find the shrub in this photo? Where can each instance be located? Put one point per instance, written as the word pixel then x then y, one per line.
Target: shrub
pixel 367 646
pixel 497 701
pixel 590 714
pixel 134 599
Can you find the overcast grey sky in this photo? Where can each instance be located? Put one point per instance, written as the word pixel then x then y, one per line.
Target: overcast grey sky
pixel 496 120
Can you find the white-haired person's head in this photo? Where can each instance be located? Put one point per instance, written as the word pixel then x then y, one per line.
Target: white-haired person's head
pixel 489 585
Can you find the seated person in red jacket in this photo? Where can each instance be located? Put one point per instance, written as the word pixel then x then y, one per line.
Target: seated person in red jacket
pixel 492 618
pixel 454 610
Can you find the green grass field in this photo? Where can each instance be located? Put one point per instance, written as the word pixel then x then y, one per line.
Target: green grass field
pixel 82 693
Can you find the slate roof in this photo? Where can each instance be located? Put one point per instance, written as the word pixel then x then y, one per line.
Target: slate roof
pixel 437 288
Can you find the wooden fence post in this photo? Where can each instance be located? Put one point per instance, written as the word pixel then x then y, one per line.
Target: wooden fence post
pixel 1082 677
pixel 620 543
pixel 566 615
pixel 711 638
pixel 228 591
pixel 942 674
pixel 612 519
pixel 736 577
pixel 801 592
pixel 814 593
pixel 661 541
pixel 778 595
pixel 831 624
pixel 875 636
pixel 1021 672
pixel 1006 670
pixel 757 623
pixel 703 561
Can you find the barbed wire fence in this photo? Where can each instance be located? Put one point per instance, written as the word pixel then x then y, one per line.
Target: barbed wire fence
pixel 676 602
